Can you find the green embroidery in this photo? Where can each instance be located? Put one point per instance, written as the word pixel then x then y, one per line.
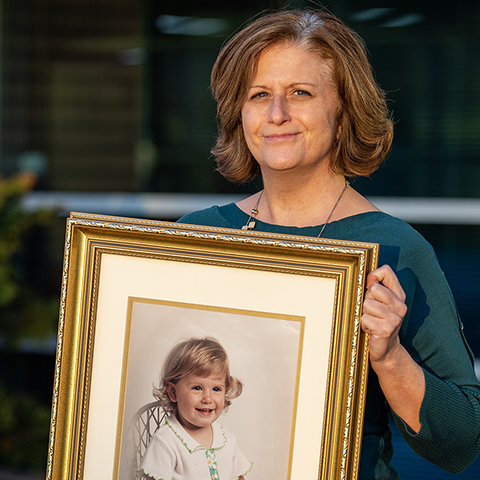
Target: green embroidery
pixel 198 447
pixel 212 464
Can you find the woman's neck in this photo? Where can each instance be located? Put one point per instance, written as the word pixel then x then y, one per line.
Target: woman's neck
pixel 296 203
pixel 307 204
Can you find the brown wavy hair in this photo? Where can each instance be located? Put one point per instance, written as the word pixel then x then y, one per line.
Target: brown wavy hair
pixel 366 127
pixel 197 356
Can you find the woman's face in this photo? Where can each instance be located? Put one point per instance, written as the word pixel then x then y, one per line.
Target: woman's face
pixel 289 118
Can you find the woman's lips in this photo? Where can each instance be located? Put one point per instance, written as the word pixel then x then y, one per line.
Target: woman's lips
pixel 279 136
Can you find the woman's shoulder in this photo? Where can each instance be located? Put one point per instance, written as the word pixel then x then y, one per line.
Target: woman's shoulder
pixel 199 217
pixel 215 216
pixel 394 231
pixel 380 227
pixel 399 242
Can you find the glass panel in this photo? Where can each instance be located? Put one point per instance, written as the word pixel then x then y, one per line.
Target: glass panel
pixel 426 58
pixel 113 95
pixel 179 113
pixel 70 100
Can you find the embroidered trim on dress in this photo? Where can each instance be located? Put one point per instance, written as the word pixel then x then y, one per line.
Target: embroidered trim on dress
pixel 198 447
pixel 144 473
pixel 248 471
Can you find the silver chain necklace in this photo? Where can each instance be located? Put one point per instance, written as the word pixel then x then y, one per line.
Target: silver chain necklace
pixel 251 223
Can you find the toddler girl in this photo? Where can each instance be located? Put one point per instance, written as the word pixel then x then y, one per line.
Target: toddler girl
pixel 195 387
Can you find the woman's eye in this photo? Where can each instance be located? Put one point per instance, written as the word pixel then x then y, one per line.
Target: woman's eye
pixel 301 92
pixel 260 95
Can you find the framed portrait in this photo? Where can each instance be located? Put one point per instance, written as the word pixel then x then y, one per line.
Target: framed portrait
pixel 286 309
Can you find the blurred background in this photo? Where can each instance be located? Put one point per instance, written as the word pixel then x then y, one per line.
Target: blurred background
pixel 105 108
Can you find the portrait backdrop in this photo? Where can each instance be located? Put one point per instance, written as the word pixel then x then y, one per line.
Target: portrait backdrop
pixel 263 351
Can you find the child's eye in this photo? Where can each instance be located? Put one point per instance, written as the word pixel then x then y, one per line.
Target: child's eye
pixel 197 387
pixel 217 389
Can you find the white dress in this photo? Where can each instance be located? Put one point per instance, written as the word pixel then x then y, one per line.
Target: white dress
pixel 174 455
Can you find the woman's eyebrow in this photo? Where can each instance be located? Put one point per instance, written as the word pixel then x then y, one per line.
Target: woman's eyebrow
pixel 294 84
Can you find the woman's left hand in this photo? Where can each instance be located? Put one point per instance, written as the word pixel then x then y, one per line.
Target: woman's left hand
pixel 383 312
pixel 401 379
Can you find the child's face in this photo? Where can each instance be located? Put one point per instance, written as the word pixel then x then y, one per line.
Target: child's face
pixel 200 400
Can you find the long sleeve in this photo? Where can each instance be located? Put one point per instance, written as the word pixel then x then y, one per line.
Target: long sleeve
pixel 432 333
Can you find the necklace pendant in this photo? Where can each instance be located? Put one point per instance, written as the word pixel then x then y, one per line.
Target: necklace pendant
pixel 249 225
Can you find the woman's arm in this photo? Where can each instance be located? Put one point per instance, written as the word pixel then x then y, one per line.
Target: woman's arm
pixel 401 379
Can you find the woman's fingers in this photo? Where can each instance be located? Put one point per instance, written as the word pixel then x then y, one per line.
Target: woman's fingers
pixel 387 277
pixel 371 279
pixel 383 302
pixel 383 312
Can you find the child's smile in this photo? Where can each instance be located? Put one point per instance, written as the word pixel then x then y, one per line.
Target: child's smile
pixel 205 410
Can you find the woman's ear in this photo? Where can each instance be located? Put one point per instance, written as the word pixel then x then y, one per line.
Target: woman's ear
pixel 172 394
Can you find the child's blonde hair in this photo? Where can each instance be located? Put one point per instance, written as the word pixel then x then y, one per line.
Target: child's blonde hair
pixel 197 356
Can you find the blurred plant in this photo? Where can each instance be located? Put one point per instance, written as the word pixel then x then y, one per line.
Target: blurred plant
pixel 24 430
pixel 24 314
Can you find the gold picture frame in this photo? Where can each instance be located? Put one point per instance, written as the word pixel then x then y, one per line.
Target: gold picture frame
pixel 287 309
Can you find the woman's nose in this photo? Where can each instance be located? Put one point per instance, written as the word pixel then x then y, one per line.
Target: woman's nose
pixel 278 110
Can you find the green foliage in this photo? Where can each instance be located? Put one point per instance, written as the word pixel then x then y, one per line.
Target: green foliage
pixel 24 422
pixel 23 313
pixel 24 430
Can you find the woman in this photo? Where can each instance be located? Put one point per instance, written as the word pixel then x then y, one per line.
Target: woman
pixel 298 104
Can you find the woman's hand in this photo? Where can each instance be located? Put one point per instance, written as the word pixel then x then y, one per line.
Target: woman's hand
pixel 383 312
pixel 401 379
